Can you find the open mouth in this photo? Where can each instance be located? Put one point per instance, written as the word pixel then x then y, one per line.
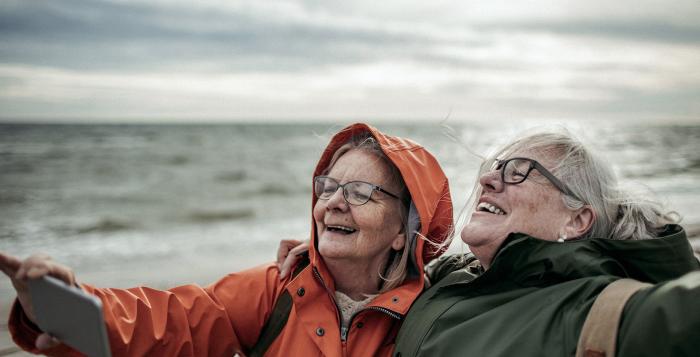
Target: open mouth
pixel 340 229
pixel 490 208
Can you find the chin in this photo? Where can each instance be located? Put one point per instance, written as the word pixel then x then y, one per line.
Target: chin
pixel 469 236
pixel 473 231
pixel 477 236
pixel 331 250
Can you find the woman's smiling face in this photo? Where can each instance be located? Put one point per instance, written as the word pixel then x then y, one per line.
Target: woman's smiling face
pixel 362 234
pixel 534 207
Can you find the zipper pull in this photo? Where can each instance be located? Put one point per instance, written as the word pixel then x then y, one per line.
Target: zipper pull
pixel 344 333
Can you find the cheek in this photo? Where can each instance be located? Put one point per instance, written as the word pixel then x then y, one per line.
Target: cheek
pixel 319 210
pixel 537 205
pixel 365 219
pixel 377 219
pixel 391 222
pixel 541 217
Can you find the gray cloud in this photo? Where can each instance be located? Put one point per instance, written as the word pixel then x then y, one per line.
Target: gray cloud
pixel 340 52
pixel 99 35
pixel 104 35
pixel 639 30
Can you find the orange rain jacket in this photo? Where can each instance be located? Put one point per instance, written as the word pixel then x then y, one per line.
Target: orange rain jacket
pixel 227 316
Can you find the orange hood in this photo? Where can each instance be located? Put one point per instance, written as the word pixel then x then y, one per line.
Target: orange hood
pixel 425 180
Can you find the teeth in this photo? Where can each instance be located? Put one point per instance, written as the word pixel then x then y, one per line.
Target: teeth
pixel 485 206
pixel 342 228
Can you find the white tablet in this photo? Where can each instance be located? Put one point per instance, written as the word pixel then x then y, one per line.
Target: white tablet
pixel 71 315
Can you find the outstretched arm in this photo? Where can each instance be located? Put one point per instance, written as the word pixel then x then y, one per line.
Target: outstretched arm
pixel 188 320
pixel 663 320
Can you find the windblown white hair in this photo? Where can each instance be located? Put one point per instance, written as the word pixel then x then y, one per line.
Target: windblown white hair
pixel 619 214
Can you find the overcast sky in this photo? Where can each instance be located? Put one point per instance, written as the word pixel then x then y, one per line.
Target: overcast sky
pixel 95 60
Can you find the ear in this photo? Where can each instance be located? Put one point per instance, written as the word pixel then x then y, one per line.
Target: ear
pixel 581 222
pixel 399 242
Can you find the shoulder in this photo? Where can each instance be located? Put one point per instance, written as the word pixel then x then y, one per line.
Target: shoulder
pixel 439 268
pixel 256 288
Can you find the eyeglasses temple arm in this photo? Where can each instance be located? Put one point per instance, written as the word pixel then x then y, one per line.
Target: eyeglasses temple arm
pixel 560 185
pixel 385 191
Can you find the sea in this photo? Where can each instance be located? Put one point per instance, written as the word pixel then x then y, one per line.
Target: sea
pixel 163 204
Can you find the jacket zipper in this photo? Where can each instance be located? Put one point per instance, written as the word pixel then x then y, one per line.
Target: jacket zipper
pixel 345 330
pixel 386 311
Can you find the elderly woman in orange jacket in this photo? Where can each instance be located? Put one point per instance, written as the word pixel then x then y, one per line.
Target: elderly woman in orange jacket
pixel 378 203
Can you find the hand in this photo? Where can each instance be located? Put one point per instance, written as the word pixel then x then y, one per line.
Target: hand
pixel 34 267
pixel 288 254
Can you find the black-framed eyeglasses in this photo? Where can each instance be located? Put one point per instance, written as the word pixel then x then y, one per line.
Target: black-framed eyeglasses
pixel 355 192
pixel 516 170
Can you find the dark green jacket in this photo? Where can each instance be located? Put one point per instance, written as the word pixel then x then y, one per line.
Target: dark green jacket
pixel 534 300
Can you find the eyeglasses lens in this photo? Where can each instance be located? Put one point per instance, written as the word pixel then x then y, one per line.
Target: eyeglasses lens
pixel 356 193
pixel 516 171
pixel 325 187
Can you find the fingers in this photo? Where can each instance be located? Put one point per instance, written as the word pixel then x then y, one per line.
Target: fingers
pixel 39 265
pixel 292 258
pixel 9 264
pixel 45 341
pixel 62 272
pixel 300 249
pixel 34 267
pixel 285 246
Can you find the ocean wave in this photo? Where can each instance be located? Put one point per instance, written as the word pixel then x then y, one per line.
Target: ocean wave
pixel 662 169
pixel 106 225
pixel 270 189
pixel 215 216
pixel 18 167
pixel 178 160
pixel 693 164
pixel 11 198
pixel 231 176
pixel 9 235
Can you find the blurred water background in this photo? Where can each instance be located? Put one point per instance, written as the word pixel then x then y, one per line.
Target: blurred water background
pixel 162 205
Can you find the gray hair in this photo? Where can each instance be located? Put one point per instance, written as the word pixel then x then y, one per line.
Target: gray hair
pixel 396 268
pixel 619 214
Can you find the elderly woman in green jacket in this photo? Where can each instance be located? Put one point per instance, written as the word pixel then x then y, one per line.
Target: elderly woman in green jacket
pixel 550 230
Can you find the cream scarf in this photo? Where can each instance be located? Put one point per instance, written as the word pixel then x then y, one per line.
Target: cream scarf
pixel 348 307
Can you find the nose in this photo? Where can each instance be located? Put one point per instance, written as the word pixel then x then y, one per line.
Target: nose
pixel 491 181
pixel 337 201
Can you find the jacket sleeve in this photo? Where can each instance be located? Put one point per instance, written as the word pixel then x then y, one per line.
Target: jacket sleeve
pixel 663 320
pixel 219 320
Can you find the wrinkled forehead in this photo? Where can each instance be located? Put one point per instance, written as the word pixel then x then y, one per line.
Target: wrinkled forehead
pixel 360 165
pixel 548 156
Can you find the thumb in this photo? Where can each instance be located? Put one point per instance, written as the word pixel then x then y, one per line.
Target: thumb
pixel 45 341
pixel 9 264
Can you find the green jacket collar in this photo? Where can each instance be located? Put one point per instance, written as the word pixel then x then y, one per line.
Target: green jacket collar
pixel 530 261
